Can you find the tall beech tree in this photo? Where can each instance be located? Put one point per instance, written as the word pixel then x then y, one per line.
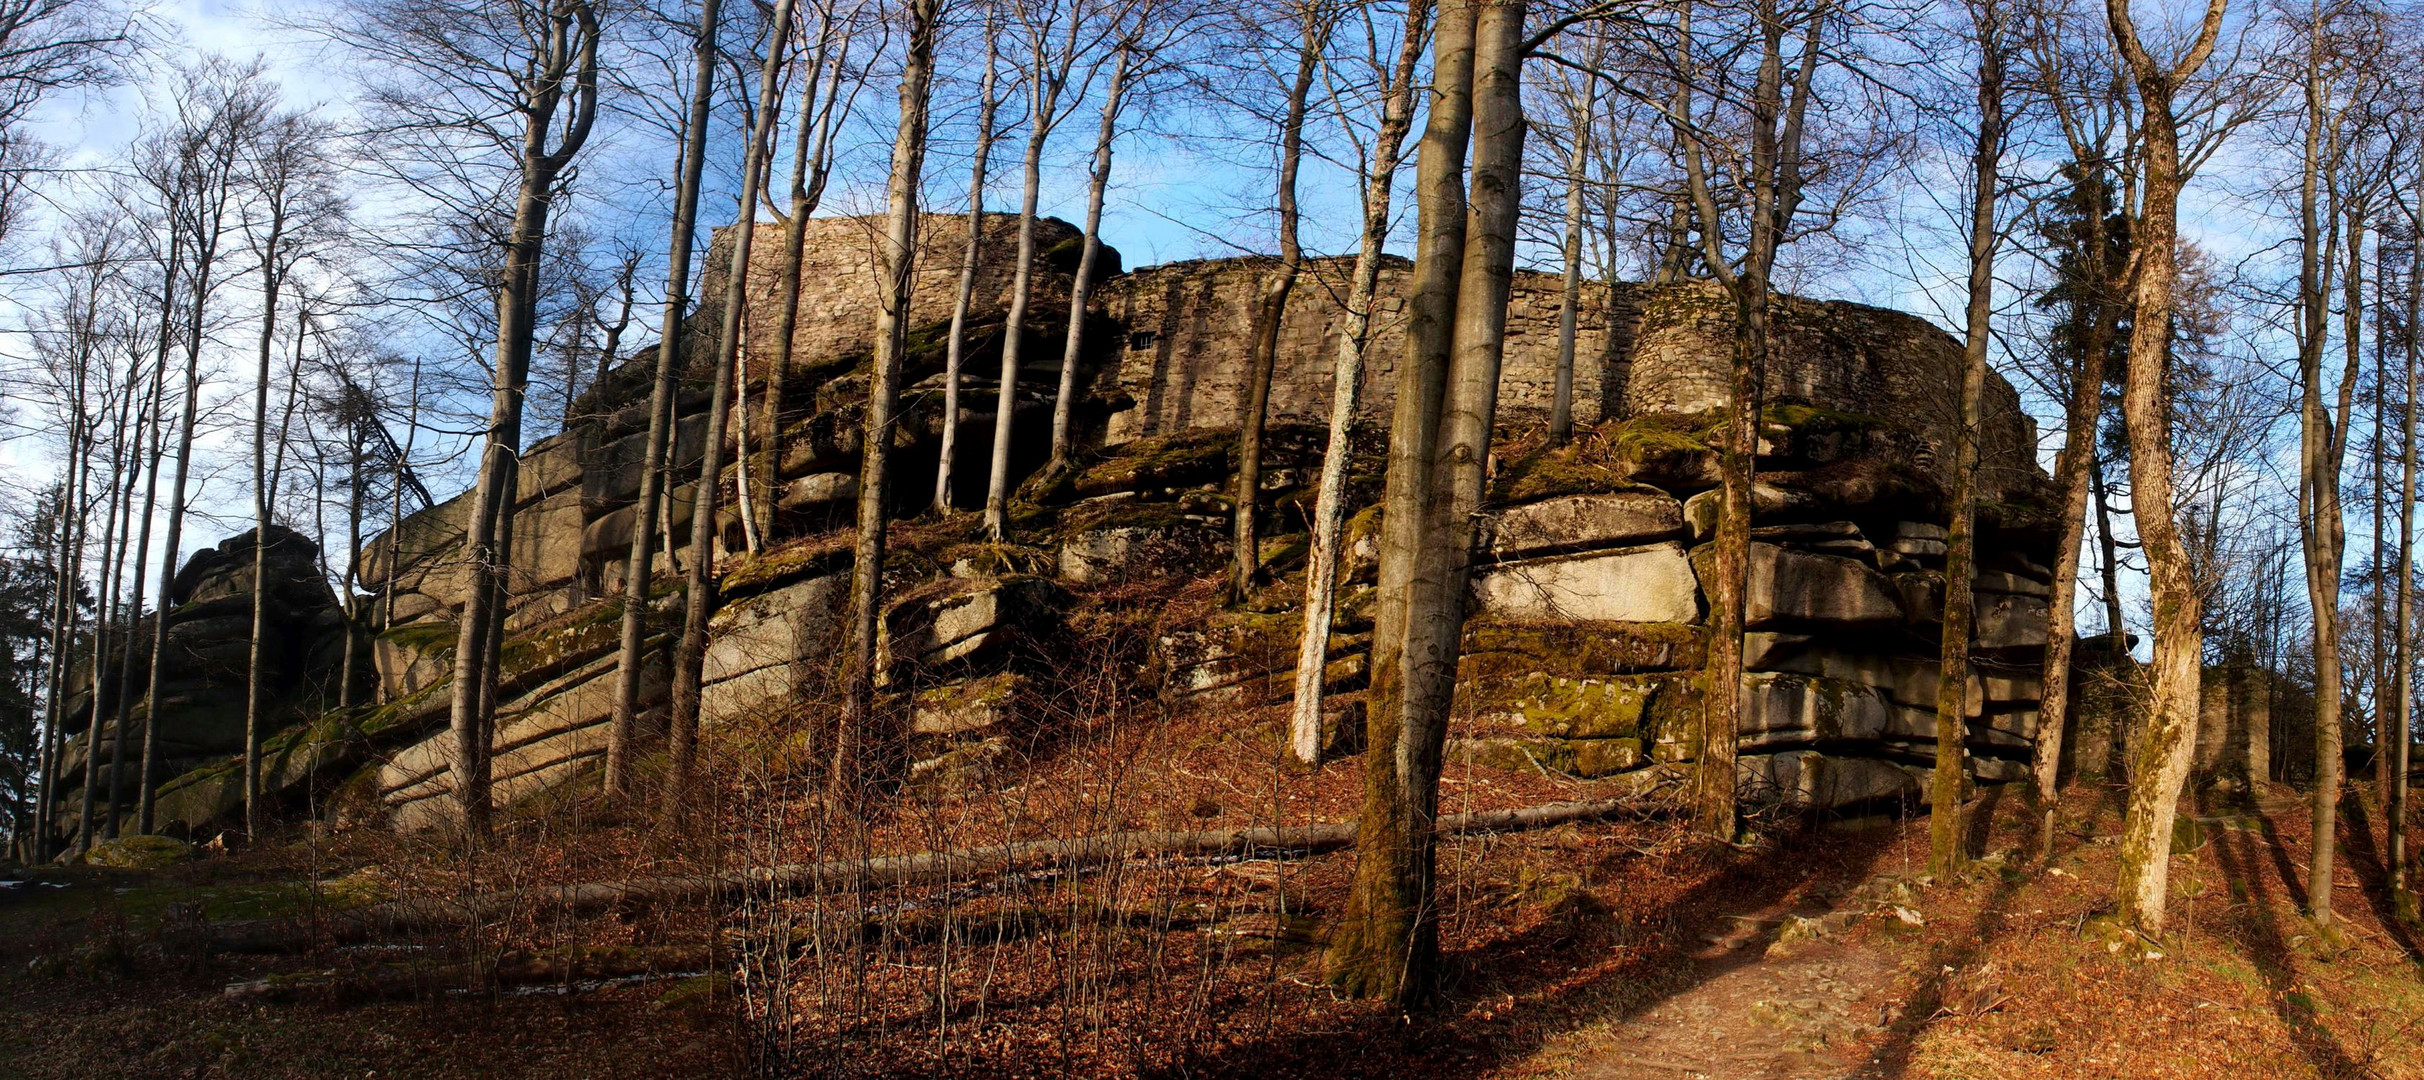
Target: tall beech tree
pixel 2325 416
pixel 1947 831
pixel 1777 107
pixel 897 264
pixel 2090 248
pixel 1387 941
pixel 1057 40
pixel 698 588
pixel 2169 743
pixel 1394 87
pixel 828 88
pixel 535 63
pixel 648 507
pixel 220 113
pixel 2402 741
pixel 955 344
pixel 1313 23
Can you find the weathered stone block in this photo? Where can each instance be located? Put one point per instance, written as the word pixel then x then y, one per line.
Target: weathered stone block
pixel 818 489
pixel 1647 584
pixel 1788 587
pixel 1782 708
pixel 1588 759
pixel 757 646
pixel 1580 522
pixel 1113 553
pixel 974 705
pixel 1700 512
pixel 2006 621
pixel 1911 681
pixel 962 625
pixel 1584 649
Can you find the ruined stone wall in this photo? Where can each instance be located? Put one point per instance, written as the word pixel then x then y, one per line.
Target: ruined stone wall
pixel 1188 326
pixel 840 286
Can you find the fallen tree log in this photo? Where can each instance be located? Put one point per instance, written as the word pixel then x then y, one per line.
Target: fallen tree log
pixel 1643 791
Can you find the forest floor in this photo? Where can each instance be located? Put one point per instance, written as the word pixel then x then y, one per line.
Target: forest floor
pixel 1616 950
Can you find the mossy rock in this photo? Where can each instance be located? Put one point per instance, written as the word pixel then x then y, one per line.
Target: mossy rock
pixel 1181 459
pixel 697 992
pixel 139 853
pixel 1567 707
pixel 1579 649
pixel 1587 759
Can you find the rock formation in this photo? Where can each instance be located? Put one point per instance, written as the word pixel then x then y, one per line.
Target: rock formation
pixel 1587 634
pixel 203 682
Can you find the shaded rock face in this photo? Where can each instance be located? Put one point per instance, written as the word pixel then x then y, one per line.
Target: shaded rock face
pixel 206 662
pixel 1587 627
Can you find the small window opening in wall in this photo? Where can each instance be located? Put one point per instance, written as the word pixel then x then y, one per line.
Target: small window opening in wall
pixel 1143 339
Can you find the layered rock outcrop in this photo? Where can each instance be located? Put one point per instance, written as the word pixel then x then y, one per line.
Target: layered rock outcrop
pixel 1583 651
pixel 204 681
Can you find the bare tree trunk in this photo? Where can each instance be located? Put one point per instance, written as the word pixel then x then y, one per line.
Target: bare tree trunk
pixel 569 54
pixel 1569 300
pixel 2323 436
pixel 2170 740
pixel 2402 892
pixel 272 280
pixel 698 591
pixel 2071 468
pixel 1947 836
pixel 64 617
pixel 1044 85
pixel 1346 390
pixel 1387 942
pixel 898 264
pixel 356 446
pixel 115 510
pixel 647 506
pixel 1064 401
pixel 811 165
pixel 1775 182
pixel 152 422
pixel 209 230
pixel 1271 312
pixel 955 348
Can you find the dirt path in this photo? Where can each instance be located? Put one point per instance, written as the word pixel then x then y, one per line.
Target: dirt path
pixel 1809 1007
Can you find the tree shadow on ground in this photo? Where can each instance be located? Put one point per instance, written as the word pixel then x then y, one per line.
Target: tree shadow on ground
pixel 2373 872
pixel 2258 931
pixel 1505 999
pixel 1928 1001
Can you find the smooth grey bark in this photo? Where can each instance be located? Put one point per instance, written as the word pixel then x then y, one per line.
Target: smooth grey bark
pixel 898 263
pixel 698 589
pixel 2322 447
pixel 1271 313
pixel 273 281
pixel 648 505
pixel 955 347
pixel 1569 297
pixel 1098 181
pixel 1346 391
pixel 1778 109
pixel 1387 941
pixel 563 71
pixel 209 229
pixel 821 108
pixel 2395 855
pixel 1047 74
